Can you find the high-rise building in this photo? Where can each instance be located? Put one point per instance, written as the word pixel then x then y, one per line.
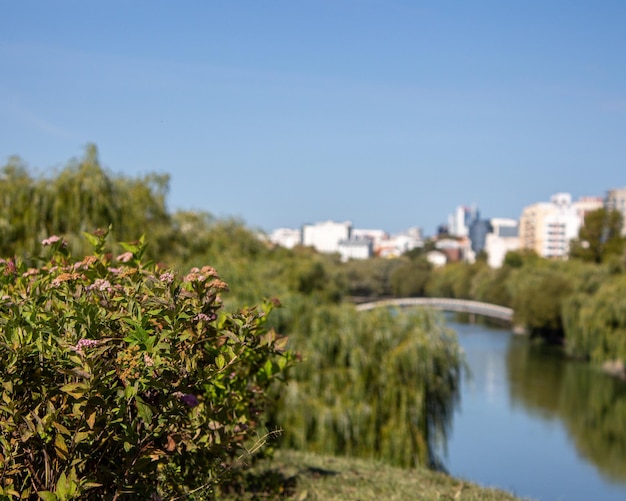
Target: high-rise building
pixel 548 227
pixel 478 230
pixel 460 221
pixel 616 200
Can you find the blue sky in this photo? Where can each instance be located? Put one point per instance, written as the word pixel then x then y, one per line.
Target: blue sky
pixel 388 113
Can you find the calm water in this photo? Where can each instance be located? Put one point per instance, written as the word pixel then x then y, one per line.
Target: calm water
pixel 535 424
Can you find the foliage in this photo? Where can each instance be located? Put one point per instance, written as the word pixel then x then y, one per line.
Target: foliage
pixel 453 280
pixel 596 323
pixel 371 277
pixel 409 279
pixel 377 384
pixel 519 258
pixel 82 196
pixel 600 237
pixel 537 296
pixel 490 285
pixel 121 379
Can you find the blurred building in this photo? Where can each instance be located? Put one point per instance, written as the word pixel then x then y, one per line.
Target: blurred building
pixel 616 200
pixel 585 205
pixel 398 244
pixel 478 230
pixel 286 237
pixel 325 237
pixel 503 237
pixel 548 227
pixel 456 249
pixel 460 221
pixel 356 248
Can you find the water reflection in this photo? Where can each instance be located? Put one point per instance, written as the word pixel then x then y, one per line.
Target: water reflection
pixel 591 405
pixel 536 424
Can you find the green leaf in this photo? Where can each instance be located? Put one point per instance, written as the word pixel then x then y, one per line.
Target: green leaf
pixel 76 390
pixel 220 362
pixel 47 496
pixel 61 487
pixel 144 410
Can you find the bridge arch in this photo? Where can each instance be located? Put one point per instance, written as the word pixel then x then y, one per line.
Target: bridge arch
pixel 439 303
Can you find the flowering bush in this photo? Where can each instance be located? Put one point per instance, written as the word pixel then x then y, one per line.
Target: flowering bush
pixel 121 380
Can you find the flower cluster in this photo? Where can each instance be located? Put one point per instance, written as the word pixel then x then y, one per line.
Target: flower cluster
pixel 50 240
pixel 84 343
pixel 167 277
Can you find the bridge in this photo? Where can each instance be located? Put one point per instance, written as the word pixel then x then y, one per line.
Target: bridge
pixel 439 303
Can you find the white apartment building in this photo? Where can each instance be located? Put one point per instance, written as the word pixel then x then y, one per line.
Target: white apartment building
pixel 503 238
pixel 400 243
pixel 286 237
pixel 548 227
pixel 356 248
pixel 325 237
pixel 585 205
pixel 616 200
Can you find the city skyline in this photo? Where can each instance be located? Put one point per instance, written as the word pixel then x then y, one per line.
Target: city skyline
pixel 387 114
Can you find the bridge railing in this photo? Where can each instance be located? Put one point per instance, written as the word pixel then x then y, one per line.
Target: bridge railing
pixel 446 304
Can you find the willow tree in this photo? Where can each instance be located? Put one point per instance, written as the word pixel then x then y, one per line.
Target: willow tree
pixel 81 197
pixel 23 209
pixel 379 384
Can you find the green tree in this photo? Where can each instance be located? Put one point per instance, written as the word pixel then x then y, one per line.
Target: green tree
pixel 410 278
pixel 537 295
pixel 600 237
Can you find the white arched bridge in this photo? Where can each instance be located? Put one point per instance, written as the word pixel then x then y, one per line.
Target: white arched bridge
pixel 439 303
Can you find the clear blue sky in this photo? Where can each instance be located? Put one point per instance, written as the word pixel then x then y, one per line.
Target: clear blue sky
pixel 388 113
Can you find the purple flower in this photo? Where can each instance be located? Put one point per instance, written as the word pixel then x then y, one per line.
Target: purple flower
pixel 189 399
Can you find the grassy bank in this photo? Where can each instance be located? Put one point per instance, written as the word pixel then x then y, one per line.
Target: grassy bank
pixel 303 476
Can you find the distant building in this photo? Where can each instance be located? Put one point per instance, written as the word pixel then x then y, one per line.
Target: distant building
pixel 436 258
pixel 286 237
pixel 503 237
pixel 478 230
pixel 548 227
pixel 376 236
pixel 400 243
pixel 460 221
pixel 325 237
pixel 585 205
pixel 456 249
pixel 356 248
pixel 616 200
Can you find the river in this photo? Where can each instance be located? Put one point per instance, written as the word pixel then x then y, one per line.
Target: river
pixel 536 424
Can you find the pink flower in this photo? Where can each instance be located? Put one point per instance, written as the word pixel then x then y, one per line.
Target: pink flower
pixel 101 284
pixel 205 318
pixel 50 240
pixel 124 258
pixel 84 343
pixel 167 277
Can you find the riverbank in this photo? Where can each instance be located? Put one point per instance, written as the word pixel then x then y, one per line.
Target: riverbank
pixel 304 476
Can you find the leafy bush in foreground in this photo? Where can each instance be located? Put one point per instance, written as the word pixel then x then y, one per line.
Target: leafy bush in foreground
pixel 121 380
